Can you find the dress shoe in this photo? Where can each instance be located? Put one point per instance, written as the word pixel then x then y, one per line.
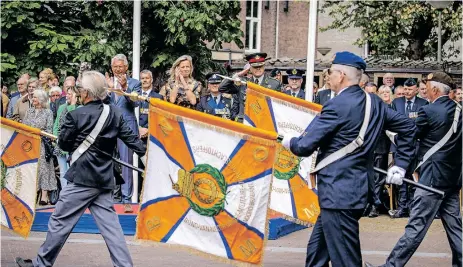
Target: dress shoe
pixel 398 214
pixel 373 212
pixel 366 211
pixel 24 263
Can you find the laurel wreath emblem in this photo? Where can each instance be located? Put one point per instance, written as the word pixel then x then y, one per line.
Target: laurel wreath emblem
pixel 220 179
pixel 3 174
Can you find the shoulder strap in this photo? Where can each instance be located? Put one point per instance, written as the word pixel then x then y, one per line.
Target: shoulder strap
pixel 90 139
pixel 358 142
pixel 445 139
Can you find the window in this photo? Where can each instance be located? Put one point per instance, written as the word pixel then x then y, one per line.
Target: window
pixel 253 17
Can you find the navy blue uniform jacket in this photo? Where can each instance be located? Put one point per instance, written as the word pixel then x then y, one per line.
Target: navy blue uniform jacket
pixel 349 182
pixel 94 168
pixel 144 109
pixel 443 168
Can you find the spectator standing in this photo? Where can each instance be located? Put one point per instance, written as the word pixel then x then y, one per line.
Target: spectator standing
pixel 41 117
pixel 24 103
pixel 181 89
pixel 119 66
pixel 22 89
pixel 61 155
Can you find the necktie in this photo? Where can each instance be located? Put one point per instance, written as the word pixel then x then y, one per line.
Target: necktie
pixel 145 94
pixel 215 100
pixel 409 106
pixel 256 81
pixel 294 94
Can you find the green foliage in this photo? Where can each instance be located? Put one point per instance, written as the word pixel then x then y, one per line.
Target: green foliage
pixel 61 34
pixel 405 29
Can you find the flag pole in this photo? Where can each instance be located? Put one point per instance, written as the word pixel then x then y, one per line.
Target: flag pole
pixel 311 45
pixel 136 75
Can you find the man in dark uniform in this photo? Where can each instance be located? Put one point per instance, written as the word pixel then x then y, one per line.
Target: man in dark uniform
pixel 238 90
pixel 345 134
pixel 295 82
pixel 90 177
pixel 439 130
pixel 409 104
pixel 215 103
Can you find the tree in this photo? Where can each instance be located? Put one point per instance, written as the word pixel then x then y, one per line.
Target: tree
pixel 61 34
pixel 404 29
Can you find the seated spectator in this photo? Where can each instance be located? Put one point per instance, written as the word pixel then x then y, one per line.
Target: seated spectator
pixel 40 116
pixel 181 89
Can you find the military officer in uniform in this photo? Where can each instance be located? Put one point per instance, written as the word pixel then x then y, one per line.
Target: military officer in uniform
pixel 238 90
pixel 295 82
pixel 215 103
pixel 439 130
pixel 345 134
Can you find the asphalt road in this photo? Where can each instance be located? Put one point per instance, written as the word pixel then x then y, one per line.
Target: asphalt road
pixel 378 236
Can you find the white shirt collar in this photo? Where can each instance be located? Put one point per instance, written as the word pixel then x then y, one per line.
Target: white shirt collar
pixel 439 97
pixel 147 92
pixel 218 98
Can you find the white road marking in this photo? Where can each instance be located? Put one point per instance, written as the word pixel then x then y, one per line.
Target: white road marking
pixel 270 249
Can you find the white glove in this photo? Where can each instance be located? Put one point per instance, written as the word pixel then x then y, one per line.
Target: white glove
pixel 286 142
pixel 395 175
pixel 143 159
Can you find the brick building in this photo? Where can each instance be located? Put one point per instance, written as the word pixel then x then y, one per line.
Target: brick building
pixel 280 29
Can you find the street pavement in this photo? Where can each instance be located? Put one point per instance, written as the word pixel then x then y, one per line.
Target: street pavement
pixel 378 236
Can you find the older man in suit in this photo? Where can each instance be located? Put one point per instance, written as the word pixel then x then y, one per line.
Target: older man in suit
pixel 439 129
pixel 295 82
pixel 258 76
pixel 91 178
pixel 345 134
pixel 119 66
pixel 408 105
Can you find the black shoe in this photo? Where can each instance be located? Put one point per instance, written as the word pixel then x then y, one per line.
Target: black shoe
pixel 24 263
pixel 400 213
pixel 437 217
pixel 366 210
pixel 373 212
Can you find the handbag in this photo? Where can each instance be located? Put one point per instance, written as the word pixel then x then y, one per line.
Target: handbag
pixel 53 196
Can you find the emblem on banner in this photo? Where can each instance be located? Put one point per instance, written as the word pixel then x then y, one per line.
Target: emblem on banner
pixel 204 187
pixel 286 164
